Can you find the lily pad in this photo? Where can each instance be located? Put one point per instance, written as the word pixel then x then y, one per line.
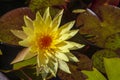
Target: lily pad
pixel 112 70
pixel 100 25
pixel 97 58
pixel 25 63
pixel 36 4
pixel 113 42
pixel 112 67
pixel 75 68
pixel 96 3
pixel 94 75
pixel 41 5
pixel 13 20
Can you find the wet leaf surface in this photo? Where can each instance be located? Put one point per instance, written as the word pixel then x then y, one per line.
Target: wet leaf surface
pixel 94 74
pixel 96 4
pixel 13 20
pixel 41 5
pixel 101 25
pixel 112 68
pixel 75 68
pixel 113 42
pixel 97 58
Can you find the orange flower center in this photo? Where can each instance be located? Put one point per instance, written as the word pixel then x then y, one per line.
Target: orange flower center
pixel 45 41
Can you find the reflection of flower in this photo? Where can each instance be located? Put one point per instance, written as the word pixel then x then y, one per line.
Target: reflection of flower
pixel 44 39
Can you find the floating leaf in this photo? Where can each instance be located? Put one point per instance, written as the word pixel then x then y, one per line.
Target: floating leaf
pixel 113 42
pixel 37 4
pixel 40 5
pixel 112 67
pixel 97 58
pixel 96 3
pixel 94 75
pixel 101 25
pixel 22 55
pixel 24 63
pixel 13 20
pixel 84 64
pixel 78 11
pixel 112 70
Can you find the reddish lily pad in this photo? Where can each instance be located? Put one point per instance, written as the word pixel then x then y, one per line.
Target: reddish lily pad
pixel 102 25
pixel 13 20
pixel 75 68
pixel 97 58
pixel 98 3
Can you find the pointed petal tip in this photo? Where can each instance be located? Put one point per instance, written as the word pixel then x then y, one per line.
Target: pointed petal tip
pixel 12 62
pixel 76 60
pixel 47 10
pixel 37 14
pixel 61 11
pixel 25 17
pixel 73 21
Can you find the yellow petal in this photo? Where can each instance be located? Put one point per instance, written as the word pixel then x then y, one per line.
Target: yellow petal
pixel 38 22
pixel 66 27
pixel 39 18
pixel 57 20
pixel 53 67
pixel 68 35
pixel 72 57
pixel 28 31
pixel 20 34
pixel 63 66
pixel 61 56
pixel 71 45
pixel 60 44
pixel 28 22
pixel 64 50
pixel 47 17
pixel 23 55
pixel 25 42
pixel 49 55
pixel 42 59
pixel 44 73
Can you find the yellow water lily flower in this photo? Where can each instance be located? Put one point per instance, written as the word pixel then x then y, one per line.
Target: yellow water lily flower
pixel 48 42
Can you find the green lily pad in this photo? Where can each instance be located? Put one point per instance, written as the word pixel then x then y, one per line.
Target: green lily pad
pixel 24 63
pixel 41 5
pixel 13 20
pixel 100 25
pixel 94 75
pixel 112 70
pixel 36 4
pixel 97 58
pixel 113 42
pixel 112 67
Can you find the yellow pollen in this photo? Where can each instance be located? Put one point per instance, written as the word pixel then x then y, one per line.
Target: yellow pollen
pixel 45 41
